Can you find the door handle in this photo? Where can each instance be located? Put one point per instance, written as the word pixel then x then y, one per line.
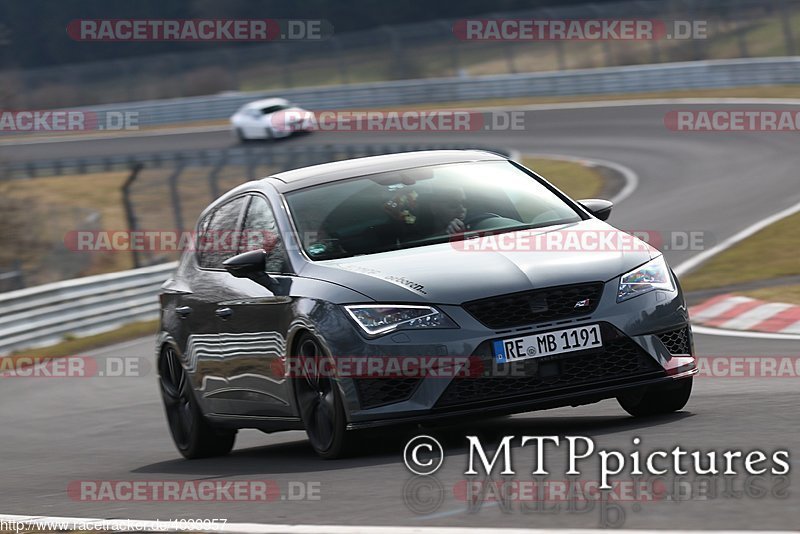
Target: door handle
pixel 224 313
pixel 183 311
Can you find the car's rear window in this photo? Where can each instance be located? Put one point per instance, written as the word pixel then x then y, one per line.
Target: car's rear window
pixel 421 206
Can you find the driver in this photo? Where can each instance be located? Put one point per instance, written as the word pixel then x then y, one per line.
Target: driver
pixel 448 210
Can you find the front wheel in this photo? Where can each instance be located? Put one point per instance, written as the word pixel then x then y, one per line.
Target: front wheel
pixel 320 402
pixel 657 400
pixel 194 437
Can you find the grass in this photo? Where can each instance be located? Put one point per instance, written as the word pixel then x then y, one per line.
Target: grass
pixel 75 198
pixel 576 180
pixel 58 205
pixel 788 294
pixel 770 253
pixel 75 346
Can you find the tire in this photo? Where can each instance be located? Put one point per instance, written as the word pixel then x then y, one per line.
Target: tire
pixel 240 136
pixel 269 135
pixel 320 403
pixel 194 437
pixel 657 400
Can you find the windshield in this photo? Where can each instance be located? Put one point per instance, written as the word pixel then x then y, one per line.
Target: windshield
pixel 421 206
pixel 272 109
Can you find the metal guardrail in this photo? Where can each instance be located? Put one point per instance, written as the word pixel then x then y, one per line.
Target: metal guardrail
pixel 43 315
pixel 628 79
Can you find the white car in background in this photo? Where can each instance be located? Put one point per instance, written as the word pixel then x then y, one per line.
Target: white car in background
pixel 271 118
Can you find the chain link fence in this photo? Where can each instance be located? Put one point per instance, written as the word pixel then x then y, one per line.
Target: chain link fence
pixel 735 29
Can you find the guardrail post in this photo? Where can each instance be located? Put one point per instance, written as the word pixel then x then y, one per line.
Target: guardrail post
pixel 175 195
pixel 287 68
pixel 250 162
pixel 398 60
pixel 213 176
pixel 129 213
pixel 447 29
pixel 609 56
pixel 787 28
pixel 741 37
pixel 337 45
pixel 231 60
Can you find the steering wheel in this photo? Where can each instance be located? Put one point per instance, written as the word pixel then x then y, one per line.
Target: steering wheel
pixel 477 218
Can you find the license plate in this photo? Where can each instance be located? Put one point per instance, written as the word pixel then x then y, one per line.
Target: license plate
pixel 547 344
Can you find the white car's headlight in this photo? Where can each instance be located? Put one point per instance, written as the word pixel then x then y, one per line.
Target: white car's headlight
pixel 652 275
pixel 379 319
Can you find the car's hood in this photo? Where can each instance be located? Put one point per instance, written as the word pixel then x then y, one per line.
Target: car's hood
pixel 448 274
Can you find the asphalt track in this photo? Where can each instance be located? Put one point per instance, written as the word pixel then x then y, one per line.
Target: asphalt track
pixel 59 430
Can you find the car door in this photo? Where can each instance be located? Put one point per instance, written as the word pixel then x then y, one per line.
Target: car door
pixel 209 287
pixel 253 123
pixel 254 335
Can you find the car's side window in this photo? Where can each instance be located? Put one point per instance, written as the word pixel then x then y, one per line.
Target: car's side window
pixel 261 232
pixel 202 236
pixel 220 239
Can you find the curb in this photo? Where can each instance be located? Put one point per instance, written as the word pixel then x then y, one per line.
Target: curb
pixel 734 312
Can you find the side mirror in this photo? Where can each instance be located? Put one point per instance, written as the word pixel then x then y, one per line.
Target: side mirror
pixel 247 264
pixel 597 207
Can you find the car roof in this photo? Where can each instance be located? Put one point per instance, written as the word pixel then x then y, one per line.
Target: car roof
pixel 341 170
pixel 266 102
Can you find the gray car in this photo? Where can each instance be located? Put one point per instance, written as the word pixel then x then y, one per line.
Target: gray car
pixel 411 288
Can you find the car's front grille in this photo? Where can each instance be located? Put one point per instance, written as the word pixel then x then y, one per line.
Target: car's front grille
pixel 677 341
pixel 619 360
pixel 539 305
pixel 374 392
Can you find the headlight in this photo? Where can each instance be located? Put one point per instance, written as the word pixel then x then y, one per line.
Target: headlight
pixel 378 319
pixel 652 275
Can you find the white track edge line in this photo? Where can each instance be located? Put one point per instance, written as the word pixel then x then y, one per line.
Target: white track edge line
pixel 696 260
pixel 629 176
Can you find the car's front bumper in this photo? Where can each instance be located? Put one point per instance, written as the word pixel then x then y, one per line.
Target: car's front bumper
pixel 635 329
pixel 549 400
